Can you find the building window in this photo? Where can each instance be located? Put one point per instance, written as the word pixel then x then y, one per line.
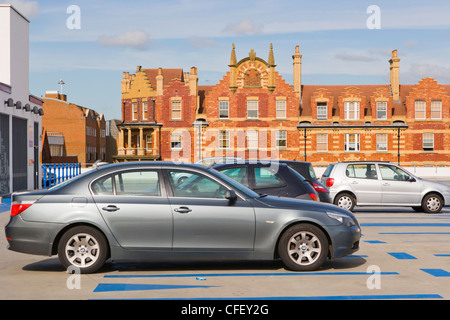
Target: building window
pixel 281 109
pixel 436 110
pixel 144 110
pixel 148 142
pixel 176 109
pixel 224 139
pixel 252 139
pixel 351 110
pixel 56 150
pixel 135 112
pixel 428 141
pixel 322 142
pixel 322 111
pixel 420 108
pixel 382 140
pixel 352 142
pixel 252 109
pixel 281 139
pixel 176 141
pixel 224 112
pixel 381 110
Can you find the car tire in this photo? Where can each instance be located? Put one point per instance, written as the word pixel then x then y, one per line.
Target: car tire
pixel 345 201
pixel 84 248
pixel 417 209
pixel 303 247
pixel 432 203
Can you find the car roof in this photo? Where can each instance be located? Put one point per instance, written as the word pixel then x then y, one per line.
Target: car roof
pixel 249 162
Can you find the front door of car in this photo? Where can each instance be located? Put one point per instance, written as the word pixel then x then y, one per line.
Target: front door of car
pixel 398 187
pixel 364 182
pixel 204 220
pixel 135 208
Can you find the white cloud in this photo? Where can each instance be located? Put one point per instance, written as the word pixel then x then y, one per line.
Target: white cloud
pixel 138 39
pixel 200 42
pixel 421 70
pixel 246 26
pixel 29 9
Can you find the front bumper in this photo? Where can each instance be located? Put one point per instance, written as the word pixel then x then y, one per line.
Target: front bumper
pixel 345 240
pixel 31 237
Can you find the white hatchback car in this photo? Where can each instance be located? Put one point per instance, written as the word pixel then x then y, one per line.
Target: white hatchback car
pixel 373 183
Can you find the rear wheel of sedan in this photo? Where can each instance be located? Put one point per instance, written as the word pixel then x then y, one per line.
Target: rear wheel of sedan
pixel 345 201
pixel 303 247
pixel 84 248
pixel 432 203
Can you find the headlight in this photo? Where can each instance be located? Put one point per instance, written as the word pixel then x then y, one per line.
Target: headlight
pixel 342 218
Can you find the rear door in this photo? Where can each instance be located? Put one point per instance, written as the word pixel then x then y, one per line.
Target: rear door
pixel 364 181
pixel 135 206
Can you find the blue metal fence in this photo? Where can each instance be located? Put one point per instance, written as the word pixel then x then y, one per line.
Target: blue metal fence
pixel 54 173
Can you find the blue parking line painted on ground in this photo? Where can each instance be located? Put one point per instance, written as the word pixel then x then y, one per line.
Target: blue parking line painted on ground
pixel 110 287
pixel 206 275
pixel 437 272
pixel 374 241
pixel 442 255
pixel 402 256
pixel 350 297
pixel 429 233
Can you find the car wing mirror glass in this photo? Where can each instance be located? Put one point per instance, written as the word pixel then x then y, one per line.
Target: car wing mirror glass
pixel 230 195
pixel 411 179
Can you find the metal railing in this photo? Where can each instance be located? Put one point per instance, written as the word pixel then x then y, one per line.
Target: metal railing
pixel 55 173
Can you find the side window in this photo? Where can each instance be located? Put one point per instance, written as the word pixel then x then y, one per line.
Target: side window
pixel 361 171
pixel 389 172
pixel 138 183
pixel 196 185
pixel 103 186
pixel 240 174
pixel 266 178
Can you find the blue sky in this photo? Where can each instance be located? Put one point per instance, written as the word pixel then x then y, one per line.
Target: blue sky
pixel 337 46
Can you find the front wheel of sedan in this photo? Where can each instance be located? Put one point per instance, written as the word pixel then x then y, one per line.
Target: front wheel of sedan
pixel 84 248
pixel 303 247
pixel 432 203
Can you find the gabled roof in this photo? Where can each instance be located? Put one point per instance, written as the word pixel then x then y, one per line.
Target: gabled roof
pixel 168 74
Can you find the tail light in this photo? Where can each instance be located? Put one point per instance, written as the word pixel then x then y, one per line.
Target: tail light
pixel 17 207
pixel 319 188
pixel 313 196
pixel 330 182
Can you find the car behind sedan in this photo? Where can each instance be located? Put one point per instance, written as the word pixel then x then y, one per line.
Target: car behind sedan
pixel 138 210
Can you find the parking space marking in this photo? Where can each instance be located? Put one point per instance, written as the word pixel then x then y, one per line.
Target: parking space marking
pixel 442 255
pixel 349 297
pixel 402 255
pixel 374 241
pixel 437 272
pixel 111 287
pixel 417 233
pixel 386 224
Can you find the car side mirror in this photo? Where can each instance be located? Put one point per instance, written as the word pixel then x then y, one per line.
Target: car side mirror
pixel 230 195
pixel 411 179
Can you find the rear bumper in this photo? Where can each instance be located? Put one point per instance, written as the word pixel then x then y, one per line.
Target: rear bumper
pixel 31 237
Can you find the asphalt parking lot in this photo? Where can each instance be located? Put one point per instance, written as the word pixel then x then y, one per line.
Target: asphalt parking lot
pixel 403 255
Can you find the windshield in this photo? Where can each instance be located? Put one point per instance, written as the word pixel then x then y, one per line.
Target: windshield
pixel 235 184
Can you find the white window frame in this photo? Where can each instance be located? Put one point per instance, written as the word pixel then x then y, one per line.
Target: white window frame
pixel 348 143
pixel 144 110
pixel 436 107
pixel 175 107
pixel 252 140
pixel 322 142
pixel 351 107
pixel 134 111
pixel 280 135
pixel 420 107
pixel 252 106
pixel 177 139
pixel 280 112
pixel 381 107
pixel 382 142
pixel 224 106
pixel 428 141
pixel 323 114
pixel 224 136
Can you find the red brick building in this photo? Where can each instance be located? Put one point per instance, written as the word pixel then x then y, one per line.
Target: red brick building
pixel 72 130
pixel 254 113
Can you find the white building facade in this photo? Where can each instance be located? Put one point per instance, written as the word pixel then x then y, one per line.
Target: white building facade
pixel 20 112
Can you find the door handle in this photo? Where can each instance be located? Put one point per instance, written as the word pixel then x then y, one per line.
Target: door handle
pixel 111 208
pixel 183 210
pixel 386 184
pixel 354 182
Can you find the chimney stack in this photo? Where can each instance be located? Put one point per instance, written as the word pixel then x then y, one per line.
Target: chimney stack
pixel 159 83
pixel 395 76
pixel 297 72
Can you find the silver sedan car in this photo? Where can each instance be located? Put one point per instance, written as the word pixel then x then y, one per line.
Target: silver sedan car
pixel 138 210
